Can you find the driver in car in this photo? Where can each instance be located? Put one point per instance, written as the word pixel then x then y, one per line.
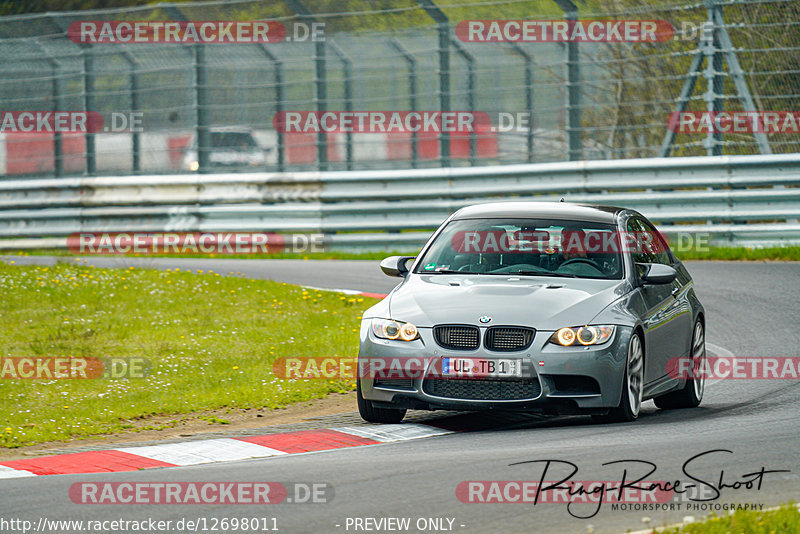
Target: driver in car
pixel 573 244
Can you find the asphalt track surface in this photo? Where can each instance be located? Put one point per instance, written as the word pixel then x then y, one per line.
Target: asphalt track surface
pixel 752 310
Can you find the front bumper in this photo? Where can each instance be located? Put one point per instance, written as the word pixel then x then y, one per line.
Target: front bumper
pixel 554 379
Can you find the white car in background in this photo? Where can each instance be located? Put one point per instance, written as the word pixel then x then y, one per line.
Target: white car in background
pixel 232 147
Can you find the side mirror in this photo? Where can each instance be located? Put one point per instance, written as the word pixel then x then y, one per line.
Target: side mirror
pixel 396 265
pixel 657 273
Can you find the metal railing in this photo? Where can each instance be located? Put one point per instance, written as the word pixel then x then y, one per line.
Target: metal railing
pixel 741 200
pixel 588 100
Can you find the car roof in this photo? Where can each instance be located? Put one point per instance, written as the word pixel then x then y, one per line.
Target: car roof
pixel 540 210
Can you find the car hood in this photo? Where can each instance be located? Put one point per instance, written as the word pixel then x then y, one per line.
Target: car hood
pixel 544 303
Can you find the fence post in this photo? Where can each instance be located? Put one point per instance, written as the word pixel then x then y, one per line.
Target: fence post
pixel 88 106
pixel 320 82
pixel 278 66
pixel 573 84
pixel 201 95
pixel 133 77
pixel 528 97
pixel 58 149
pixel 412 94
pixel 443 26
pixel 471 102
pixel 347 73
pixel 201 101
pixel 713 74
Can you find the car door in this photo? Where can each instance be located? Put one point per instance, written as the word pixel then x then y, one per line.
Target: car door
pixel 658 303
pixel 679 313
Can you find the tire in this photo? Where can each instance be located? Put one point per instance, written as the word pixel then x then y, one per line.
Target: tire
pixel 691 394
pixel 372 414
pixel 631 402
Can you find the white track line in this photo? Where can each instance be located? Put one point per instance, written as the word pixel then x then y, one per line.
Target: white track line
pixel 8 472
pixel 203 451
pixel 390 433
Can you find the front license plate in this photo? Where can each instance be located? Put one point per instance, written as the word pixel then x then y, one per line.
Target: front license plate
pixel 480 368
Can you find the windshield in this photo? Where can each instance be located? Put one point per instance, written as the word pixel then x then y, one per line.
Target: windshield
pixel 531 247
pixel 242 141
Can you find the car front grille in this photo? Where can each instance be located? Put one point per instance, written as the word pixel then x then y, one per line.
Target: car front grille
pixel 470 389
pixel 508 339
pixel 457 337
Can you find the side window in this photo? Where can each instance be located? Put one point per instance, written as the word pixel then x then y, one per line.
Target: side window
pixel 658 248
pixel 639 253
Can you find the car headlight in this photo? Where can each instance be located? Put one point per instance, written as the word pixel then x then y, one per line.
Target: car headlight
pixel 582 335
pixel 389 329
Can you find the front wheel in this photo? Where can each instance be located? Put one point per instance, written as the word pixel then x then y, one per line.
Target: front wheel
pixel 370 413
pixel 691 394
pixel 631 401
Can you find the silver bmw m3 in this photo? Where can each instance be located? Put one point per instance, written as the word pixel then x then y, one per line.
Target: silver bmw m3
pixel 555 308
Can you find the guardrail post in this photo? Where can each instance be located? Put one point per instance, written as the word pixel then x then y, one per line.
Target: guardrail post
pixel 443 25
pixel 347 73
pixel 412 94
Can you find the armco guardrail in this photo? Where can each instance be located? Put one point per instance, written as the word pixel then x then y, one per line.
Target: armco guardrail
pixel 752 200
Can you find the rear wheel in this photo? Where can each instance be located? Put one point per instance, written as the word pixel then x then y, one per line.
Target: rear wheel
pixel 631 401
pixel 691 394
pixel 369 412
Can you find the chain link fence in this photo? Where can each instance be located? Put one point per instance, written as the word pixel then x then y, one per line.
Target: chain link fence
pixel 170 108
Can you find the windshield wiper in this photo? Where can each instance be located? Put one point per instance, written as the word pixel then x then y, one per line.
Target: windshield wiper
pixel 543 273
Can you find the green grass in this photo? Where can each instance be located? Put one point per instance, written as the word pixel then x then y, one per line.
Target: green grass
pixel 784 520
pixel 210 340
pixel 788 253
pixel 743 254
pixel 332 255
